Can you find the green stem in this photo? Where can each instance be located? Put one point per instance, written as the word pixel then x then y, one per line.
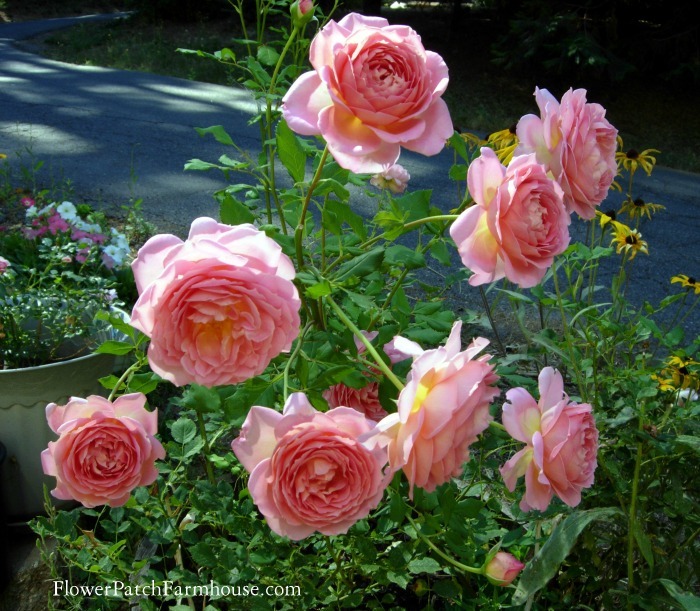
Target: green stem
pixel 632 524
pixel 292 358
pixel 487 307
pixel 132 368
pixel 443 555
pixel 206 448
pixel 299 233
pixel 567 334
pixel 370 348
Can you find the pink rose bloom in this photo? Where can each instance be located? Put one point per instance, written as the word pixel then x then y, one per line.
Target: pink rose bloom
pixel 503 568
pixel 400 349
pixel 218 307
pixel 441 411
pixel 576 143
pixel 518 224
pixel 374 89
pixel 365 400
pixel 4 264
pixel 562 443
pixel 395 179
pixel 308 471
pixel 104 449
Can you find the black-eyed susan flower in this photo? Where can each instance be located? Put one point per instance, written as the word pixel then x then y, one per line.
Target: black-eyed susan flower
pixel 504 143
pixel 687 282
pixel 628 240
pixel 632 159
pixel 605 218
pixel 678 373
pixel 472 140
pixel 638 208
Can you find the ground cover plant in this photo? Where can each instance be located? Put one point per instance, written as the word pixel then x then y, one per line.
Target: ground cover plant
pixel 306 415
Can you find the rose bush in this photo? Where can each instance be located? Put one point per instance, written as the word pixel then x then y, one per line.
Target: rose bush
pixel 218 307
pixel 371 294
pixel 373 90
pixel 308 471
pixel 441 411
pixel 518 225
pixel 576 143
pixel 562 443
pixel 104 449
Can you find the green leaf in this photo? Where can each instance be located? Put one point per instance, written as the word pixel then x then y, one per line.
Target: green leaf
pixel 344 214
pixel 233 212
pixel 644 544
pixel 112 346
pixel 291 152
pixel 689 441
pixel 458 172
pixel 201 399
pixel 361 265
pixel 198 165
pixel 688 601
pixel 267 56
pixel 416 203
pixel 256 391
pixel 218 132
pixel 320 289
pixel 424 565
pixel 404 257
pixel 547 561
pixel 183 430
pixel 203 554
pixel 439 251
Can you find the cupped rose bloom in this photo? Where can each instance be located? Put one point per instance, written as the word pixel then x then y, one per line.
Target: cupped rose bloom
pixel 441 411
pixel 365 400
pixel 518 225
pixel 373 89
pixel 395 179
pixel 503 568
pixel 562 443
pixel 4 264
pixel 308 471
pixel 217 307
pixel 576 143
pixel 104 449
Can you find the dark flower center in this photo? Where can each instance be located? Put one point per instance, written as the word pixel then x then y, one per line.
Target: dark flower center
pixel 639 202
pixel 632 154
pixel 630 239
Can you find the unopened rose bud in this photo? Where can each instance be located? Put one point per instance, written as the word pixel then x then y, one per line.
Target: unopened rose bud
pixel 302 12
pixel 502 569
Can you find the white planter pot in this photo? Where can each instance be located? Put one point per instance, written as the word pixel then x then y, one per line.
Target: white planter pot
pixel 24 395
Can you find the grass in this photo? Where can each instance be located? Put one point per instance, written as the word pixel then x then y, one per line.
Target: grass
pixel 481 97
